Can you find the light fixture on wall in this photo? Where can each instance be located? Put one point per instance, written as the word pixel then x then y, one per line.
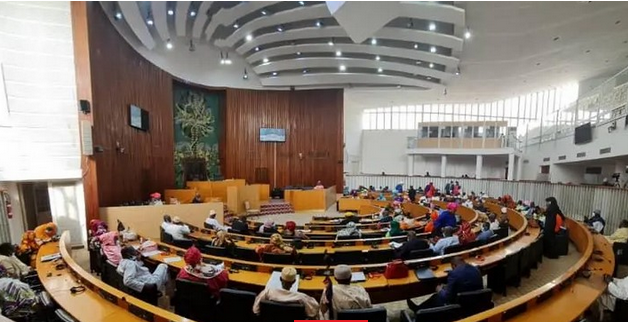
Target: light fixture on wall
pixel 170 12
pixel 338 53
pixel 377 58
pixel 331 42
pixel 319 23
pixel 467 34
pixel 222 58
pixel 265 60
pixel 433 49
pixel 169 44
pixel 236 25
pixel 227 59
pixel 246 75
pixel 192 13
pixel 249 37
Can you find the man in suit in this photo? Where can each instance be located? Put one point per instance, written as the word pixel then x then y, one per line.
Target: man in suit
pixel 462 278
pixel 413 243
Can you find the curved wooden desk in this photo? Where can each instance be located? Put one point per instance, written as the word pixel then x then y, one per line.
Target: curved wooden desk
pixel 99 302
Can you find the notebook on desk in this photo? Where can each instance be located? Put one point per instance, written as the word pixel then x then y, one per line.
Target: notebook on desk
pixel 357 277
pixel 51 257
pixel 274 282
pixel 424 273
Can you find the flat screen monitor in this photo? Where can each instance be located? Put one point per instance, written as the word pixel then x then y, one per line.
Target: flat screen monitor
pixel 138 118
pixel 583 134
pixel 272 135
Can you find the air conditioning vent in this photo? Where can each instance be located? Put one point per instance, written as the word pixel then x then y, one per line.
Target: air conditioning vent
pixel 593 170
pixel 562 157
pixel 605 150
pixel 581 155
pixel 546 159
pixel 526 161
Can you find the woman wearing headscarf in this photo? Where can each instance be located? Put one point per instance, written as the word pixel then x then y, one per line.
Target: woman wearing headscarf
pixel 552 211
pixel 27 251
pixel 276 246
pixel 215 276
pixel 433 216
pixel 395 229
pixel 45 233
pixel 350 230
pixel 465 233
pixel 222 240
pixel 290 231
pixel 17 299
pixel 110 248
pixel 268 227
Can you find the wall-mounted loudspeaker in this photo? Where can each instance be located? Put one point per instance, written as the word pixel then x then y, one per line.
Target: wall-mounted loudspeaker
pixel 84 106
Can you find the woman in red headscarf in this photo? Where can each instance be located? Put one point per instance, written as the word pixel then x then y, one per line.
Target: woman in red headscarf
pixel 110 247
pixel 290 231
pixel 215 276
pixel 465 233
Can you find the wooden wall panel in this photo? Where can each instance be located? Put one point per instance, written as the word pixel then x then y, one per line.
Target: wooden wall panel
pixel 120 77
pixel 313 122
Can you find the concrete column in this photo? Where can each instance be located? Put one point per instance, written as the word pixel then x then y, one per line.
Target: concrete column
pixel 511 166
pixel 620 167
pixel 410 164
pixel 478 166
pixel 519 168
pixel 443 165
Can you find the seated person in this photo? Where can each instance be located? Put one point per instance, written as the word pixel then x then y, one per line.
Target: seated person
pixel 155 199
pixel 45 233
pixel 14 267
pixel 174 201
pixel 213 223
pixel 268 227
pixel 284 295
pixel 222 240
pixel 446 218
pixel 349 217
pixel 276 246
pixel 290 231
pixel 413 243
pixel 465 233
pixel 197 198
pixel 430 225
pixel 110 248
pixel 319 185
pixel 177 229
pixel 408 222
pixel 239 225
pixel 621 234
pixel 462 278
pixel 617 289
pixel 480 206
pixel 167 222
pixel 449 239
pixel 27 251
pixel 596 221
pixel 486 232
pixel 503 219
pixel 343 296
pixel 395 229
pixel 17 299
pixel 494 223
pixel 350 230
pixel 385 216
pixel 136 275
pixel 381 197
pixel 215 276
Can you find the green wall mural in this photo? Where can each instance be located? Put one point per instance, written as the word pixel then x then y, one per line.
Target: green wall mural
pixel 196 131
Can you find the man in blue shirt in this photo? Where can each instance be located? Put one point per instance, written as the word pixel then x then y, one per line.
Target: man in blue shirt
pixel 399 187
pixel 462 278
pixel 446 218
pixel 448 240
pixel 486 233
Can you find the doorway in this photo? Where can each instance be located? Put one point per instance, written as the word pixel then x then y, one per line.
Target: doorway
pixel 36 203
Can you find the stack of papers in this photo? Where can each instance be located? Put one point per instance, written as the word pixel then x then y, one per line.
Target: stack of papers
pixel 174 259
pixel 358 277
pixel 151 253
pixel 395 245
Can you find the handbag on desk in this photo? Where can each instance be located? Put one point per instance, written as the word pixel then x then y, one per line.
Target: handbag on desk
pixel 396 269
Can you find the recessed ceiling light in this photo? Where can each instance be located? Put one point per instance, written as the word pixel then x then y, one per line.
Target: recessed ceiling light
pixel 331 42
pixel 432 49
pixel 279 28
pixel 169 44
pixel 265 60
pixel 338 53
pixel 170 12
pixel 264 12
pixel 298 53
pixel 588 51
pixel 192 13
pixel 431 65
pixel 249 37
pixel 373 41
pixel 432 26
pixel 342 68
pixel 274 73
pixel 457 71
pixel 305 71
pixel 236 26
pixel 428 78
pixel 256 48
pixel 538 64
pixel 398 86
pixel 416 46
pixel 302 3
pixel 467 34
pixel 318 23
pixel 617 22
pixel 606 61
pixel 379 70
pixel 150 22
pixel 377 57
pixel 118 15
pixel 245 76
pixel 418 62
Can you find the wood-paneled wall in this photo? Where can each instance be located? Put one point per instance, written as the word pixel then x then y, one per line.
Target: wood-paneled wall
pixel 122 77
pixel 314 139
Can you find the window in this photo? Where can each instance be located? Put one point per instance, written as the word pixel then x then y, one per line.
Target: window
pixel 478 131
pixel 468 132
pixel 445 132
pixel 433 132
pixel 455 133
pixel 491 132
pixel 424 132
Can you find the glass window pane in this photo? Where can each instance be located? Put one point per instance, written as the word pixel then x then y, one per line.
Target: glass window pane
pixel 380 121
pixel 410 121
pixel 365 121
pixel 387 120
pixel 395 121
pixel 433 131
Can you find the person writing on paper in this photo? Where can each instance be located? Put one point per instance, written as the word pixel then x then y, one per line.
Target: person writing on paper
pixel 215 276
pixel 449 239
pixel 343 296
pixel 213 223
pixel 319 185
pixel 177 229
pixel 136 276
pixel 285 295
pixel 413 243
pixel 110 248
pixel 621 234
pixel 462 278
pixel 15 268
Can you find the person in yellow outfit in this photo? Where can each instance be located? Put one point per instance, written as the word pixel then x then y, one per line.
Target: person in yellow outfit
pixel 33 239
pixel 621 234
pixel 45 233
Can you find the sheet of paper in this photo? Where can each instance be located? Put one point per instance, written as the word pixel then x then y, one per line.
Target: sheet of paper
pixel 174 259
pixel 395 245
pixel 274 282
pixel 358 277
pixel 151 253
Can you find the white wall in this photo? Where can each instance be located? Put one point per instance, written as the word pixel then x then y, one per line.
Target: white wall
pixel 16 224
pixel 352 137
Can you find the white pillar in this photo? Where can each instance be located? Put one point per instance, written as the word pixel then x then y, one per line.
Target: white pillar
pixel 410 164
pixel 511 166
pixel 620 167
pixel 443 165
pixel 478 166
pixel 519 168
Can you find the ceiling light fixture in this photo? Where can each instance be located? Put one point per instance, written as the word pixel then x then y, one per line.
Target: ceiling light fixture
pixel 249 37
pixel 431 65
pixel 338 53
pixel 305 71
pixel 170 12
pixel 236 26
pixel 331 42
pixel 428 78
pixel 373 41
pixel 227 60
pixel 274 73
pixel 150 21
pixel 118 15
pixel 302 3
pixel 399 86
pixel 222 58
pixel 256 48
pixel 246 75
pixel 432 49
pixel 264 12
pixel 416 46
pixel 318 23
pixel 169 44
pixel 377 57
pixel 432 26
pixel 192 46
pixel 298 53
pixel 265 60
pixel 458 71
pixel 342 68
pixel 279 28
pixel 379 70
pixel 192 13
pixel 467 34
pixel 418 62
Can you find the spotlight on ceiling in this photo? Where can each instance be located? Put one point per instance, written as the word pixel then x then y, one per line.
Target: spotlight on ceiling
pixel 222 58
pixel 338 53
pixel 236 26
pixel 298 53
pixel 169 44
pixel 331 42
pixel 377 57
pixel 432 26
pixel 373 41
pixel 432 49
pixel 149 21
pixel 399 86
pixel 457 71
pixel 274 73
pixel 227 60
pixel 467 34
pixel 246 75
pixel 280 28
pixel 319 23
pixel 256 48
pixel 170 12
pixel 416 46
pixel 431 65
pixel 249 37
pixel 302 3
pixel 305 71
pixel 379 70
pixel 342 68
pixel 192 13
pixel 265 60
pixel 428 78
pixel 264 12
pixel 118 15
